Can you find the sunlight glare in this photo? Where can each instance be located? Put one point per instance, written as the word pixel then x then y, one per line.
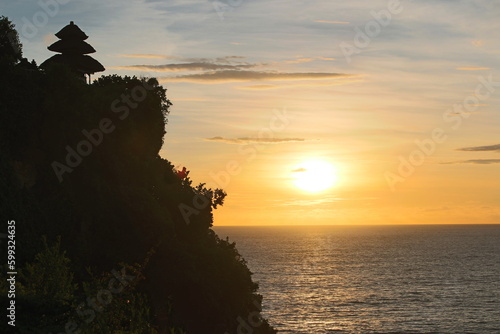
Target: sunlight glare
pixel 314 176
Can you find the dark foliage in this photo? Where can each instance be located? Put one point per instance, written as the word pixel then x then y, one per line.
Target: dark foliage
pixel 10 46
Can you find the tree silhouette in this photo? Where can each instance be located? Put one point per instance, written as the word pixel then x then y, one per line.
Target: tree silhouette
pixel 10 46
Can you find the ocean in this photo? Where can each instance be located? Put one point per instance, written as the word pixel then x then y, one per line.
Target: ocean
pixel 375 279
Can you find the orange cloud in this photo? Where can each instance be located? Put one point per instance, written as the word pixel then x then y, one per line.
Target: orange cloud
pixel 475 162
pixel 333 22
pixel 472 68
pixel 246 140
pixel 49 39
pixel 302 59
pixel 299 61
pixel 191 100
pixel 477 43
pixel 344 81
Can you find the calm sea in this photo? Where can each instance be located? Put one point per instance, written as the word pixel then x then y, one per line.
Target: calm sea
pixel 375 279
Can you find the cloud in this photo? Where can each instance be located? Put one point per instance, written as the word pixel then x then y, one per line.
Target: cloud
pixel 299 61
pixel 233 69
pixel 241 75
pixel 299 170
pixel 233 57
pixel 472 68
pixel 247 140
pixel 225 60
pixel 475 162
pixel 489 148
pixel 302 59
pixel 302 84
pixel 468 113
pixel 147 56
pixel 188 64
pixel 200 66
pixel 192 100
pixel 49 39
pixel 262 86
pixel 332 22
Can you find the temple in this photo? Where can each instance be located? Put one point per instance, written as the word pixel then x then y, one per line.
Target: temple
pixel 72 51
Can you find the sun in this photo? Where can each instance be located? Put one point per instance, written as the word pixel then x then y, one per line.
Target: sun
pixel 314 175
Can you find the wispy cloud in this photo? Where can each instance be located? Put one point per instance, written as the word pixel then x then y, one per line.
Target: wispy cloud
pixel 183 67
pixel 299 170
pixel 247 140
pixel 299 61
pixel 234 69
pixel 469 112
pixel 342 81
pixel 192 100
pixel 477 43
pixel 145 56
pixel 252 87
pixel 489 148
pixel 332 22
pixel 187 64
pixel 475 162
pixel 242 75
pixel 225 60
pixel 472 68
pixel 49 39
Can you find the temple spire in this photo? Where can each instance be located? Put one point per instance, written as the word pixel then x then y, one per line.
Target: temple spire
pixel 72 51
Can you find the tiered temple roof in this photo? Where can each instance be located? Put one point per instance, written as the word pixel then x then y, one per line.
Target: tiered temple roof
pixel 73 51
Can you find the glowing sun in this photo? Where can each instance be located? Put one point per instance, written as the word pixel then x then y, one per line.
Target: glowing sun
pixel 314 175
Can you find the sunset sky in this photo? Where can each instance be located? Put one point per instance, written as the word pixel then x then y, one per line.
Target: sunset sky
pixel 400 99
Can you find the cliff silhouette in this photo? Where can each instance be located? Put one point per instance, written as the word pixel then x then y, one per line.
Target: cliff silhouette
pixel 110 238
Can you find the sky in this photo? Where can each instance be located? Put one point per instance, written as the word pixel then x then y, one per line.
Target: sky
pixel 399 98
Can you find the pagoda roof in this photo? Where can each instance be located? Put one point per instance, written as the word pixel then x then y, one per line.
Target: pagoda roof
pixel 72 31
pixel 72 46
pixel 81 63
